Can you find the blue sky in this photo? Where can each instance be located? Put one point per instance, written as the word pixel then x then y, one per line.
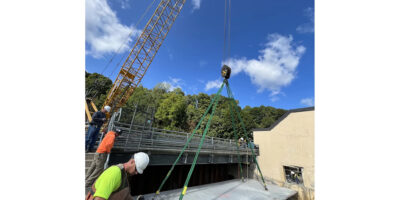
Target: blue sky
pixel 271 55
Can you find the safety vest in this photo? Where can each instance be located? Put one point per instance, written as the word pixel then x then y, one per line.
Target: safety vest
pixel 122 193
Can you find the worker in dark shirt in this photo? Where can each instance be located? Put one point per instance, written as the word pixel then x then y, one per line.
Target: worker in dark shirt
pixel 98 119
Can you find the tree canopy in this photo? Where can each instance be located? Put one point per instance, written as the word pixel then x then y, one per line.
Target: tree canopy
pixel 173 110
pixel 97 87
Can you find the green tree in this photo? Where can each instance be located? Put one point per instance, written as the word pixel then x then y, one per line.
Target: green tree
pixel 171 114
pixel 175 111
pixel 97 86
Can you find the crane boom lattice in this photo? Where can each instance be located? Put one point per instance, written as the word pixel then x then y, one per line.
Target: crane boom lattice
pixel 142 54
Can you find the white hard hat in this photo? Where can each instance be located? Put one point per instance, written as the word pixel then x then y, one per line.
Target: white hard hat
pixel 241 138
pixel 107 108
pixel 141 161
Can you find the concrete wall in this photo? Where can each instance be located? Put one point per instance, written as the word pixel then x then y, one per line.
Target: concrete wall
pixel 289 143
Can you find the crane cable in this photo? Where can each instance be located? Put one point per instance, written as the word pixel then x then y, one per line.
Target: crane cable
pixel 126 54
pixel 227 31
pixel 226 55
pixel 127 38
pixel 118 51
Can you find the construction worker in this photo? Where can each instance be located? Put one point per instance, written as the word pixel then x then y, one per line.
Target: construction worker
pixel 98 119
pixel 251 145
pixel 100 157
pixel 241 141
pixel 113 183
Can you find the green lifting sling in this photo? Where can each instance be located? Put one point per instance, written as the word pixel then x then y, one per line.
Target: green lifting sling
pixel 212 107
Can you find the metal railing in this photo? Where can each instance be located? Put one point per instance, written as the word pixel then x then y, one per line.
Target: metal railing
pixel 147 138
pixel 136 137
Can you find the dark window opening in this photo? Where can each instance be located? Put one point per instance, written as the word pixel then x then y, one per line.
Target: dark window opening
pixel 293 174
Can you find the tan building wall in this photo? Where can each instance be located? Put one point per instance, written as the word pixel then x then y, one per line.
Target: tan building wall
pixel 290 142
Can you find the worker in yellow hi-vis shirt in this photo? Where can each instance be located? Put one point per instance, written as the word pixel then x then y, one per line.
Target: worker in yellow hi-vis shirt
pixel 113 183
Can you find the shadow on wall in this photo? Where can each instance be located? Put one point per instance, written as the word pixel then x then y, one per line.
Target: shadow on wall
pixel 150 180
pixel 303 192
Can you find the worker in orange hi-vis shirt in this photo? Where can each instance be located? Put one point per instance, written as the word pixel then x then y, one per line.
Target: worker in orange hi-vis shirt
pixel 100 157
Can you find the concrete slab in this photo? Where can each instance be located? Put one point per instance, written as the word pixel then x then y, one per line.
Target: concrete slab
pixel 232 189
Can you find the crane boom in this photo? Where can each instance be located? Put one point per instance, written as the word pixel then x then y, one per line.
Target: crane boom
pixel 142 54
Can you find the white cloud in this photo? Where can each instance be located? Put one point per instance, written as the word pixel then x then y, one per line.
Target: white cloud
pixel 125 4
pixel 104 32
pixel 196 4
pixel 307 102
pixel 307 27
pixel 172 84
pixel 274 98
pixel 213 84
pixel 175 80
pixel 167 86
pixel 274 68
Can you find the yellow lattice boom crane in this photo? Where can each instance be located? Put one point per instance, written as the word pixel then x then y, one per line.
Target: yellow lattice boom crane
pixel 141 55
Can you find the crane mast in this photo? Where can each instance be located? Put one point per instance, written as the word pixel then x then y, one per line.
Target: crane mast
pixel 142 54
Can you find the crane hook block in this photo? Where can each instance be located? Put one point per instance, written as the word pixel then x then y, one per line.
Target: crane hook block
pixel 226 72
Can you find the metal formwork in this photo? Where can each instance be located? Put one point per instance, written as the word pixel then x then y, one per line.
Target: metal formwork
pixel 170 141
pixel 164 145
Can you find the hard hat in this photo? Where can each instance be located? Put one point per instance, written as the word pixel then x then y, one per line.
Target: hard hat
pixel 107 108
pixel 241 138
pixel 141 161
pixel 118 131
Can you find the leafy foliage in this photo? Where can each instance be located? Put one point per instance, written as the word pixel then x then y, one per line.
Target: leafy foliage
pixel 97 87
pixel 174 110
pixel 171 114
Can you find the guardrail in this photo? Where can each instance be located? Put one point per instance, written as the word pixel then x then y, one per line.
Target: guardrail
pixel 135 138
pixel 140 137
